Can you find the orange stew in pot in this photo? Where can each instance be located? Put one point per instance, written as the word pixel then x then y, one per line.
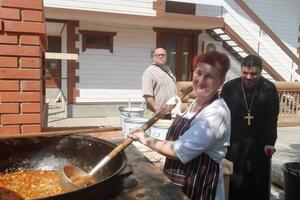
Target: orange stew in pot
pixel 32 184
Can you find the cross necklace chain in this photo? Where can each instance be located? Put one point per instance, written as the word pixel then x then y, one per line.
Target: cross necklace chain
pixel 248 117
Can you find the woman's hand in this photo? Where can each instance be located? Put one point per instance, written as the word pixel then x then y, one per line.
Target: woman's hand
pixel 163 147
pixel 139 135
pixel 177 109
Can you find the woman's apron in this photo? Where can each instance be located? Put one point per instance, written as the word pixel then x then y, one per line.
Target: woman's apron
pixel 199 177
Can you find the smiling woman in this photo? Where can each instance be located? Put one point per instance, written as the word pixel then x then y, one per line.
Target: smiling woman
pixel 198 139
pixel 209 74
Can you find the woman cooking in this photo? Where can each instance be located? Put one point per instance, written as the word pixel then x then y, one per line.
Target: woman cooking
pixel 197 139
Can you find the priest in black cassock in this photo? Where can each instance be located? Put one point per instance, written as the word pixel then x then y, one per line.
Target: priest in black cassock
pixel 254 105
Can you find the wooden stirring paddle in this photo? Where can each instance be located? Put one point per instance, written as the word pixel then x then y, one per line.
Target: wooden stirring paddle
pixel 74 177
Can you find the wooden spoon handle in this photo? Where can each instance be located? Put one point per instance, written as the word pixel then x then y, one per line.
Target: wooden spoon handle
pixel 145 126
pixel 128 141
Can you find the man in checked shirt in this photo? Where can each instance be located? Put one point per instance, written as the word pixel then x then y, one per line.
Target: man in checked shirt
pixel 158 83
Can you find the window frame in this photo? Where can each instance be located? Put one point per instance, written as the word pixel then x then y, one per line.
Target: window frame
pixel 180 8
pixel 86 33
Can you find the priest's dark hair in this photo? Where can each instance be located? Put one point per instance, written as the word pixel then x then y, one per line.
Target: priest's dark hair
pixel 214 59
pixel 252 61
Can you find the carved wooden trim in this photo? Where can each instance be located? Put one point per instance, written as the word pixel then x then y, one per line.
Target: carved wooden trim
pixel 57 20
pixel 287 86
pixel 179 31
pixel 87 33
pixel 159 6
pixel 77 78
pixel 180 7
pixel 72 64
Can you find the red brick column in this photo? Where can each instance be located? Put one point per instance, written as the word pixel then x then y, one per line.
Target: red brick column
pixel 22 44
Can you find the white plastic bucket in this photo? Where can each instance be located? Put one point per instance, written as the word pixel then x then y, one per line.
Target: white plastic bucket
pixel 132 112
pixel 160 130
pixel 132 123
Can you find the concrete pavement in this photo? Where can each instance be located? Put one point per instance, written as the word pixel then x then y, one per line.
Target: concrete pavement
pixel 287 150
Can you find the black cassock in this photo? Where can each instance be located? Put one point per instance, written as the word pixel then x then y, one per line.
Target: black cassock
pixel 251 170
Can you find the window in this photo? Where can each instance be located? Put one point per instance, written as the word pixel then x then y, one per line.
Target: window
pixel 181 7
pixel 97 40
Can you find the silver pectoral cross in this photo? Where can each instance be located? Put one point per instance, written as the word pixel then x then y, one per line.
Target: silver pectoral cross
pixel 248 117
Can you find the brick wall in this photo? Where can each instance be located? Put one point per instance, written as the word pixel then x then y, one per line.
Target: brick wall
pixel 22 46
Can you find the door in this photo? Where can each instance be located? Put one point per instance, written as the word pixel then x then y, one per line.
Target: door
pixel 181 47
pixel 53 66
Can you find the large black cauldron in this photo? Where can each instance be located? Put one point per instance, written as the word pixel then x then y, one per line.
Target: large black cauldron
pixel 48 153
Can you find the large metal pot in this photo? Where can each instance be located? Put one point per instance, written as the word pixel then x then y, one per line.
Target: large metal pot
pixel 131 112
pixel 50 153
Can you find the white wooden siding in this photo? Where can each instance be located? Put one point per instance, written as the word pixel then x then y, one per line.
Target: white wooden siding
pixel 134 7
pixel 208 10
pixel 115 77
pixel 282 17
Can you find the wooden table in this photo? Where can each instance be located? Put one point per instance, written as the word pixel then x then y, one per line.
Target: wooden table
pixel 147 182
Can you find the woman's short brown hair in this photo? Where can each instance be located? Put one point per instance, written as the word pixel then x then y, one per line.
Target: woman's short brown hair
pixel 214 59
